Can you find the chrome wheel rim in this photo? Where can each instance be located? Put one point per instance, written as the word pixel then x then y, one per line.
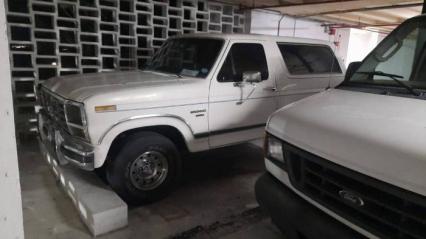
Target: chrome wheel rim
pixel 149 170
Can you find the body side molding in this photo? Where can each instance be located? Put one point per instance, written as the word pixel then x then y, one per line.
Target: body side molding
pixel 143 117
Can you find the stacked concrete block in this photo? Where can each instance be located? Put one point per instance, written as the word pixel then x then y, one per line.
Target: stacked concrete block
pixel 60 37
pixel 100 208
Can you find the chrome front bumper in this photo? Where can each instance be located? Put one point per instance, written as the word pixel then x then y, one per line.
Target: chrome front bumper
pixel 65 148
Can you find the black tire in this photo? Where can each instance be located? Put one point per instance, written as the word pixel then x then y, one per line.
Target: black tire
pixel 118 171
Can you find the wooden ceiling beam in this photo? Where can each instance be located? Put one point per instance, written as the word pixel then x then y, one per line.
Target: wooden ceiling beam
pixel 376 16
pixel 325 19
pixel 297 4
pixel 352 19
pixel 364 9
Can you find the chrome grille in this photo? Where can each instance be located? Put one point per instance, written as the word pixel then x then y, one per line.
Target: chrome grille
pixel 54 106
pixel 387 211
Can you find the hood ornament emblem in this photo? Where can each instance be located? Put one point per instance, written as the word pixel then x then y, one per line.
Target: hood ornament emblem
pixel 351 198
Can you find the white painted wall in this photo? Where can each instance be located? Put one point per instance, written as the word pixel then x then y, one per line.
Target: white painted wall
pixel 342 37
pixel 361 43
pixel 349 44
pixel 266 22
pixel 11 223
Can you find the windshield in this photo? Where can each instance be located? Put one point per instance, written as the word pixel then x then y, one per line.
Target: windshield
pixel 401 54
pixel 186 56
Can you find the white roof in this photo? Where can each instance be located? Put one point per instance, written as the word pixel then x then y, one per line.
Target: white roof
pixel 255 37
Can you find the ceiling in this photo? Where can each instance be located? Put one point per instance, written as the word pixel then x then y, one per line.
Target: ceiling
pixel 377 15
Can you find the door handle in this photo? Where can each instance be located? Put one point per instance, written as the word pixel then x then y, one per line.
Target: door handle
pixel 270 89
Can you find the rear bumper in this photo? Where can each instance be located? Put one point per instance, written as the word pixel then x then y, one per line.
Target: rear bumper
pixel 296 217
pixel 65 148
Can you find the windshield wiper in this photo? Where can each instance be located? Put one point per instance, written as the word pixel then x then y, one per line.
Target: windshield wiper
pixel 393 77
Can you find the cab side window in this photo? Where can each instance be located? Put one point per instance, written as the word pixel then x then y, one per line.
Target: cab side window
pixel 309 59
pixel 243 57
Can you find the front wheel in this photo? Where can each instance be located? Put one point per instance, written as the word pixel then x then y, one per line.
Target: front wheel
pixel 146 169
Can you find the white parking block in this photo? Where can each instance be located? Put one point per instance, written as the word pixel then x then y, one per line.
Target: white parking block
pixel 100 208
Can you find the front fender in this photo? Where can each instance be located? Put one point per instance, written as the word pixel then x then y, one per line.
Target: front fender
pixel 137 122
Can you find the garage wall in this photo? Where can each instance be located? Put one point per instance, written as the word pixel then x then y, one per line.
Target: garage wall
pixel 10 199
pixel 361 43
pixel 342 38
pixel 266 22
pixel 62 37
pixel 349 44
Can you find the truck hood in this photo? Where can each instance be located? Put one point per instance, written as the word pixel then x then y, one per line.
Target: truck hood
pixel 380 136
pixel 81 87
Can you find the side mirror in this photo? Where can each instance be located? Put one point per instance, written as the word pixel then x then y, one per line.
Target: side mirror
pixel 352 68
pixel 252 76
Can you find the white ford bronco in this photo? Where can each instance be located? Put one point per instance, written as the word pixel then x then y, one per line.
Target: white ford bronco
pixel 350 162
pixel 199 92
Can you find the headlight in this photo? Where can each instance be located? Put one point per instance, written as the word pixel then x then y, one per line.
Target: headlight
pixel 74 113
pixel 76 119
pixel 274 148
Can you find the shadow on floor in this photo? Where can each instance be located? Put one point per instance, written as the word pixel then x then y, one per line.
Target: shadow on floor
pixel 223 163
pixel 215 200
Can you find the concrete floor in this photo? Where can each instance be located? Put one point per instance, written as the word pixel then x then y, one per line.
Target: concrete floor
pixel 215 200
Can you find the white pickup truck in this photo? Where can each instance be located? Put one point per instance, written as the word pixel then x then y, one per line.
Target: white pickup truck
pixel 350 162
pixel 200 92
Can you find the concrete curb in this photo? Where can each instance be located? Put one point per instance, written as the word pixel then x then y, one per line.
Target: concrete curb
pixel 100 208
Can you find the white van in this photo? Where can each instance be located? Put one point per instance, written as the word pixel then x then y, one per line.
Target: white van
pixel 200 92
pixel 350 162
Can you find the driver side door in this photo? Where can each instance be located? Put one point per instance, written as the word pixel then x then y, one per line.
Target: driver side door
pixel 238 111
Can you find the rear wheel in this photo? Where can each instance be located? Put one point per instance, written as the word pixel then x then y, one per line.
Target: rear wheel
pixel 146 169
